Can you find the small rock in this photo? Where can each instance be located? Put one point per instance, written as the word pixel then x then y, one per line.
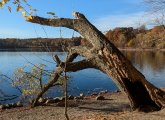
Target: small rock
pixel 13 105
pixel 41 100
pixel 48 98
pixel 103 92
pixel 100 97
pixel 62 98
pixel 71 97
pixel 7 106
pixel 19 104
pixel 56 99
pixel 77 98
pixel 82 95
pixel 94 94
pixel 2 107
pixel 117 91
pixel 49 101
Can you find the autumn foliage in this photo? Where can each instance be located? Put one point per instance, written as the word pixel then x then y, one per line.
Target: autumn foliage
pixel 138 38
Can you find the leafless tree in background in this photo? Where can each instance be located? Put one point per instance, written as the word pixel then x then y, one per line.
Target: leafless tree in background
pixel 157 7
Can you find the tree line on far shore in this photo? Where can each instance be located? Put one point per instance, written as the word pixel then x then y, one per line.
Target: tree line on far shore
pixel 38 44
pixel 122 37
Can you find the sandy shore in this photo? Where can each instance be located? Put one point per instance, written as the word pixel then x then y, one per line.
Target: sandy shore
pixel 115 107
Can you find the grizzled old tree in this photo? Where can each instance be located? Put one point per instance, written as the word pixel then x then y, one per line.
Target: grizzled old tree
pixel 104 56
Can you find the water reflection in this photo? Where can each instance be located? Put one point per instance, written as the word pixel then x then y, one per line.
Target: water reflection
pixel 150 63
pixel 155 60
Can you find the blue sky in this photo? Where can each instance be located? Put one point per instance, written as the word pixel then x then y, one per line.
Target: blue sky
pixel 104 14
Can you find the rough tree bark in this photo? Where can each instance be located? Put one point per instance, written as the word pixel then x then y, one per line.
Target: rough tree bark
pixel 104 56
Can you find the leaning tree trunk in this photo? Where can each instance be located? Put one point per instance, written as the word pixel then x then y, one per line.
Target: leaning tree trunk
pixel 103 55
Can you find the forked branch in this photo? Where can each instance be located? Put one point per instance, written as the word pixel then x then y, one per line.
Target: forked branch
pixel 71 67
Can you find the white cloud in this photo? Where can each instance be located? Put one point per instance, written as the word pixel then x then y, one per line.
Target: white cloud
pixel 127 20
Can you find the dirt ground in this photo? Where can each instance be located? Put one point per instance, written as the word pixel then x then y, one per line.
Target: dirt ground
pixel 115 107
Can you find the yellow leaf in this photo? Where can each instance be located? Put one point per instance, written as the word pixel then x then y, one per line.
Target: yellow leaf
pixel 19 8
pixel 4 1
pixel 1 5
pixel 29 18
pixel 23 13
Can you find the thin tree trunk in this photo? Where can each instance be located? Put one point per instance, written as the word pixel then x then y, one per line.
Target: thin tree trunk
pixel 103 55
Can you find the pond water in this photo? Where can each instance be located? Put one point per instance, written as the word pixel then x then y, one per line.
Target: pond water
pixel 150 63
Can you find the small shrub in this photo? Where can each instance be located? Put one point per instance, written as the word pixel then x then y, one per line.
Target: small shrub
pixel 32 82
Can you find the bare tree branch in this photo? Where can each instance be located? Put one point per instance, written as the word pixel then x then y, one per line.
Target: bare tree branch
pixel 71 67
pixel 81 25
pixel 55 22
pixel 155 5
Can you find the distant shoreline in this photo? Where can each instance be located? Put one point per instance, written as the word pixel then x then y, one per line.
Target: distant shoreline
pixel 38 44
pixel 36 49
pixel 140 49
